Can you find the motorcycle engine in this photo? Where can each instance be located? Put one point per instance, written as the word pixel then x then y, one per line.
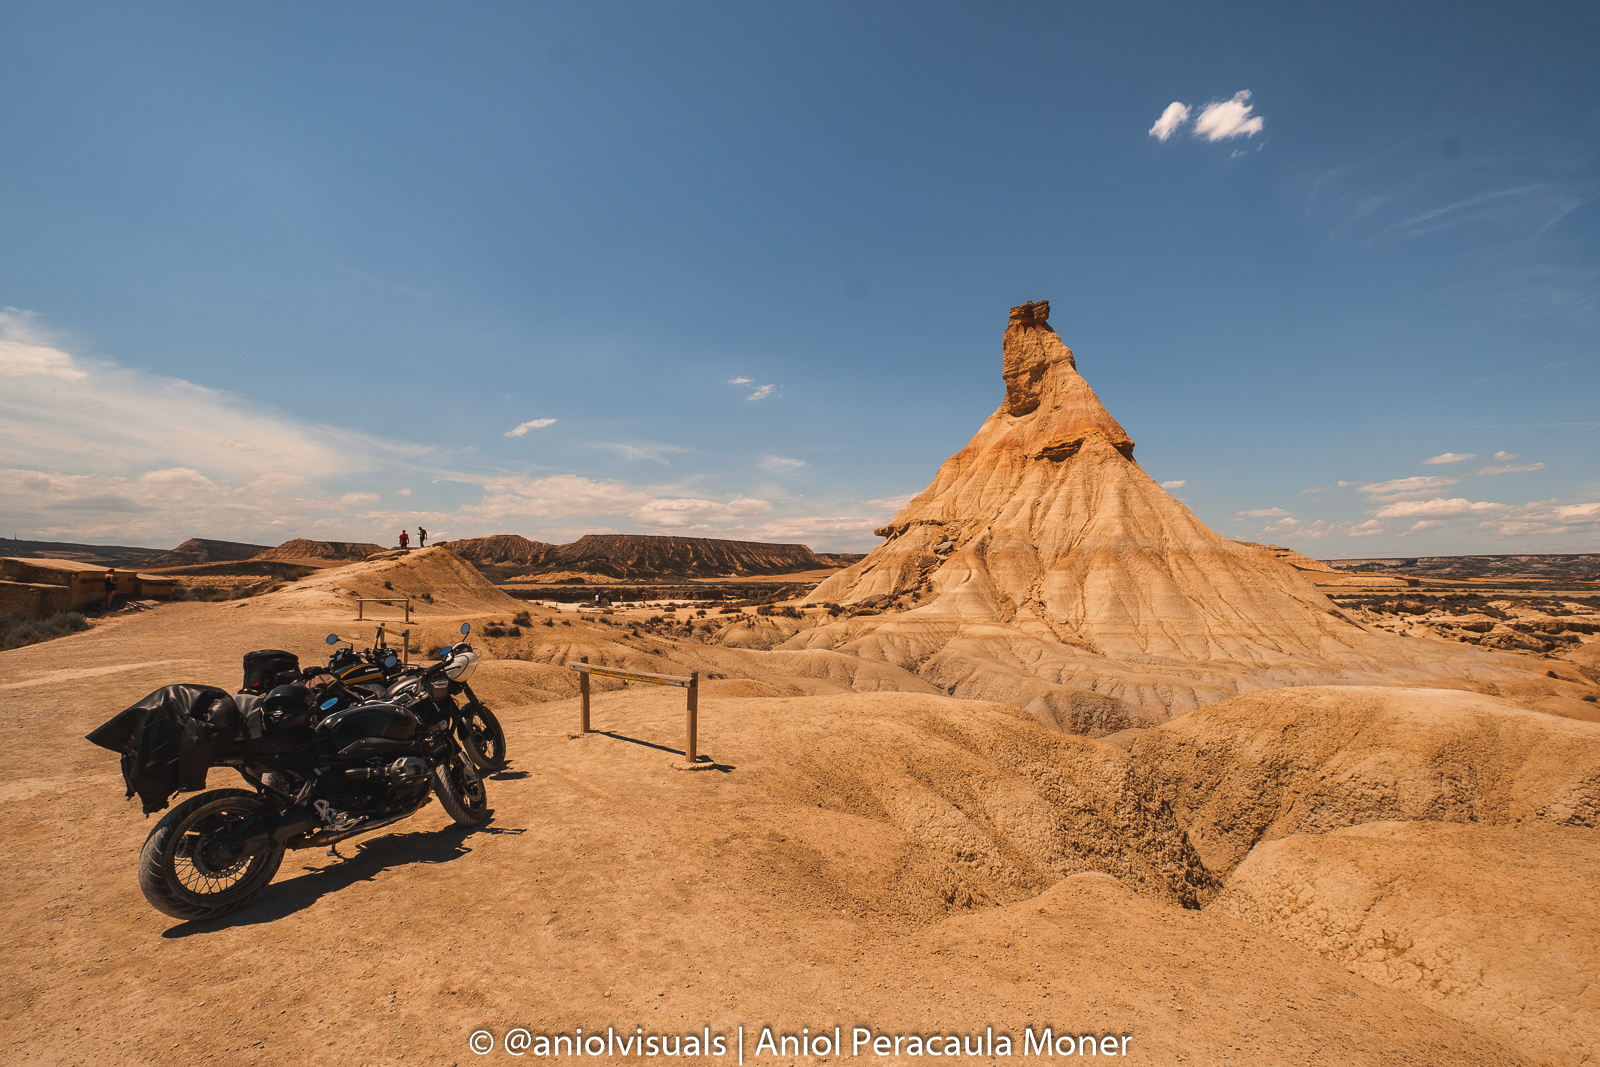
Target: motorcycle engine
pixel 408 770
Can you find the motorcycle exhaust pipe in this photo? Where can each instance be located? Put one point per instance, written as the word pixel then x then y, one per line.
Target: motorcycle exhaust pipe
pixel 328 837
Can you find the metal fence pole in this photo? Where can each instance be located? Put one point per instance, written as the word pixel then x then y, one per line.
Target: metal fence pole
pixel 694 712
pixel 583 688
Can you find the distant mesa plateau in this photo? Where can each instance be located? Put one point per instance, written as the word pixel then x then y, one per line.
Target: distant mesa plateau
pixel 1054 756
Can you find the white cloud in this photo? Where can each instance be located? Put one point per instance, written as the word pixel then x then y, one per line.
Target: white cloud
pixel 1222 119
pixel 403 492
pixel 1260 513
pixel 779 463
pixel 1510 468
pixel 23 351
pixel 1423 524
pixel 1176 484
pixel 761 392
pixel 359 498
pixel 1175 115
pixel 531 424
pixel 1450 457
pixel 1503 456
pixel 739 381
pixel 1437 506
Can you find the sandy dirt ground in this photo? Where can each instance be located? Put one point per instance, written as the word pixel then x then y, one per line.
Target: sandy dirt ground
pixel 613 892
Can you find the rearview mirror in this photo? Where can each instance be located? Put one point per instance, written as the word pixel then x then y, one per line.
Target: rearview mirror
pixel 466 628
pixel 333 639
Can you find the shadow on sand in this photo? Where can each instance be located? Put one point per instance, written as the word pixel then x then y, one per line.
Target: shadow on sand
pixel 725 768
pixel 286 896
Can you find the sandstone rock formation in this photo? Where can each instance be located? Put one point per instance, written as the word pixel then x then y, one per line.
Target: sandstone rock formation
pixel 1043 557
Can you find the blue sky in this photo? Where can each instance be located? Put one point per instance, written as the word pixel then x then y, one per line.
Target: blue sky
pixel 303 269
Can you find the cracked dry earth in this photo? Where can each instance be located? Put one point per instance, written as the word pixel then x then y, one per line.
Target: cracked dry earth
pixel 910 863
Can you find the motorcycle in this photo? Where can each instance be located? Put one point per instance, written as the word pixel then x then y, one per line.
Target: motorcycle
pixel 319 773
pixel 428 692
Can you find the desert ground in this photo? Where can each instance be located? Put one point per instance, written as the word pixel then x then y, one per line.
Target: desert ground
pixel 1314 875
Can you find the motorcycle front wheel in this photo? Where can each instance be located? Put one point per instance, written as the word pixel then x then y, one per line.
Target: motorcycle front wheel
pixel 189 869
pixel 460 791
pixel 482 737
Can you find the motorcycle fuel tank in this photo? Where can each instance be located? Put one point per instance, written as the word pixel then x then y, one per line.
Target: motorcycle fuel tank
pixel 367 720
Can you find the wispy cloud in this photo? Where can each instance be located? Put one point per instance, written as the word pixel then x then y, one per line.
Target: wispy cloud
pixel 531 424
pixel 779 463
pixel 1222 119
pixel 1259 513
pixel 1175 115
pixel 1509 468
pixel 761 392
pixel 1449 457
pixel 739 381
pixel 1177 483
pixel 655 451
pixel 1318 529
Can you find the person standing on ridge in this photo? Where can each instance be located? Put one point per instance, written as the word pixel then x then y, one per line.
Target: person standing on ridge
pixel 405 541
pixel 111 589
pixel 422 537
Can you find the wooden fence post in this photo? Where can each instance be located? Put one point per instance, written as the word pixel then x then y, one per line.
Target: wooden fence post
pixel 583 688
pixel 694 712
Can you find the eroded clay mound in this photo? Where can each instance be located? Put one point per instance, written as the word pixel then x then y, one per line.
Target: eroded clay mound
pixel 1493 925
pixel 303 548
pixel 916 804
pixel 438 581
pixel 1313 760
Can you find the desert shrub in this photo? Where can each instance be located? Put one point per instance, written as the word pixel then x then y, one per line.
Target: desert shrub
pixel 515 631
pixel 16 631
pixel 389 586
pixel 494 629
pixel 702 611
pixel 522 618
pixel 834 609
pixel 727 611
pixel 764 609
pixel 566 622
pixel 549 622
pixel 655 618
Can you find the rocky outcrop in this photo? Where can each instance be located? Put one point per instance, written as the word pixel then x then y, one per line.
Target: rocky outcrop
pixel 301 548
pixel 201 550
pixel 1043 550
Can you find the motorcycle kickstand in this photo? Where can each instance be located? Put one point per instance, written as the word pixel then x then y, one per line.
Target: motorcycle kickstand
pixel 333 850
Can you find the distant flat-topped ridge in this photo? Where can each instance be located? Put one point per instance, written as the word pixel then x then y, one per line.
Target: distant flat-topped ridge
pixel 303 548
pixel 642 556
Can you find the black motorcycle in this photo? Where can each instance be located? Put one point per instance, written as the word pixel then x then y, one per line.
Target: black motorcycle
pixel 430 693
pixel 319 773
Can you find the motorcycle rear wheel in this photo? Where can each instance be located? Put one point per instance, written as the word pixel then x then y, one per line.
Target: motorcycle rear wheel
pixel 482 737
pixel 181 877
pixel 460 791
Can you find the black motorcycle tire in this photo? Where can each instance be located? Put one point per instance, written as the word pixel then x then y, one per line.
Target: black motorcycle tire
pixel 178 884
pixel 482 737
pixel 460 790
